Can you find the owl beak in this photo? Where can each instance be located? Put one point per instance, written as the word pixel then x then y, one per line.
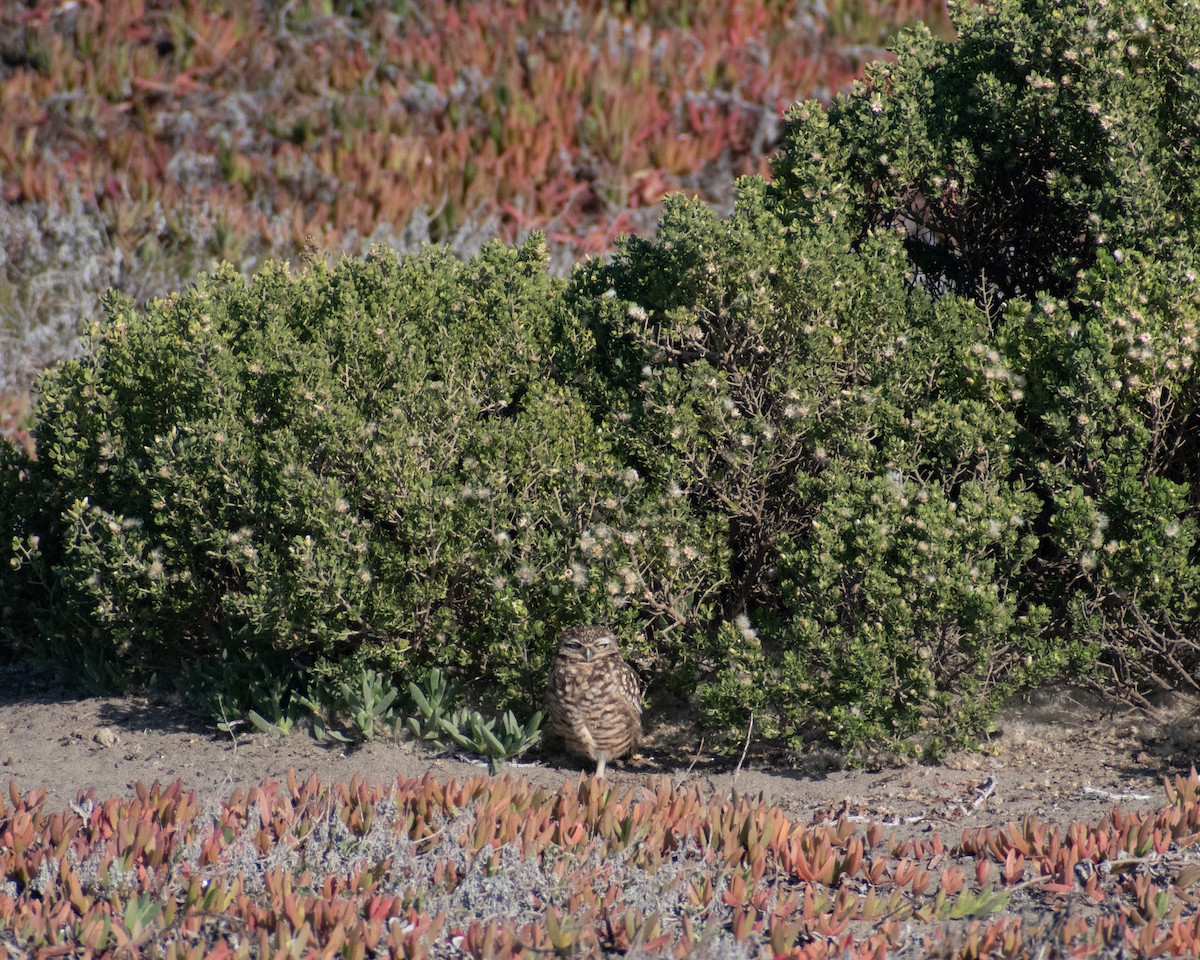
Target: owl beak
pixel 589 653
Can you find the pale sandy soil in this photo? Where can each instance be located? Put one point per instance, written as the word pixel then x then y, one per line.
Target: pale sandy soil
pixel 1062 758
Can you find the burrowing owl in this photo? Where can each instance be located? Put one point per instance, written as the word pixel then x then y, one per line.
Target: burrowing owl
pixel 593 698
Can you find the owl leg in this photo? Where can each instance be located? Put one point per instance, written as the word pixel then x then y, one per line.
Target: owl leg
pixel 601 759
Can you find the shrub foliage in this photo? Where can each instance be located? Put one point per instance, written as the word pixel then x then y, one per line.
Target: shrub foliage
pixel 790 384
pixel 320 469
pixel 1044 167
pixel 913 428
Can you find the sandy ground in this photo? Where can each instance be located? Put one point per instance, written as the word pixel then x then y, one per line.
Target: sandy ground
pixel 1062 757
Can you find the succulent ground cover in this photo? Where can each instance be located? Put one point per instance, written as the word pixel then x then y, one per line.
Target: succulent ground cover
pixel 495 867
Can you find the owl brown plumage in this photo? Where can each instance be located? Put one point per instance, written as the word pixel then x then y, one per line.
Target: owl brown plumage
pixel 593 698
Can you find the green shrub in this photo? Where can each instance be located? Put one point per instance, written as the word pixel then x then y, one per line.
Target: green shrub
pixel 312 472
pixel 824 419
pixel 1045 131
pixel 1111 442
pixel 1044 165
pixel 914 380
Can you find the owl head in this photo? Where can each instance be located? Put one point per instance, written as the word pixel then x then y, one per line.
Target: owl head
pixel 588 643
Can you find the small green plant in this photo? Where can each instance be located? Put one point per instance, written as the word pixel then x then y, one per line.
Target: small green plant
pixel 363 707
pixel 438 722
pixel 974 905
pixel 368 703
pixel 477 734
pixel 432 705
pixel 281 726
pixel 234 691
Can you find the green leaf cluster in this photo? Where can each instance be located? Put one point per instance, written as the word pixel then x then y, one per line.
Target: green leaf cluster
pixel 378 464
pixel 437 721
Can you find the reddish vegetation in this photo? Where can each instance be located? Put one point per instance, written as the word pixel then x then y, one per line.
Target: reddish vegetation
pixel 15 420
pixel 301 869
pixel 285 123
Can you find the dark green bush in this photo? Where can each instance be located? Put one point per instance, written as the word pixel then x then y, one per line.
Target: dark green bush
pixel 25 583
pixel 935 382
pixel 311 472
pixel 1045 164
pixel 1044 132
pixel 1110 440
pixel 828 418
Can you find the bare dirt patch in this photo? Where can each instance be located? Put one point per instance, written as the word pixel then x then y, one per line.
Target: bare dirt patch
pixel 1061 757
